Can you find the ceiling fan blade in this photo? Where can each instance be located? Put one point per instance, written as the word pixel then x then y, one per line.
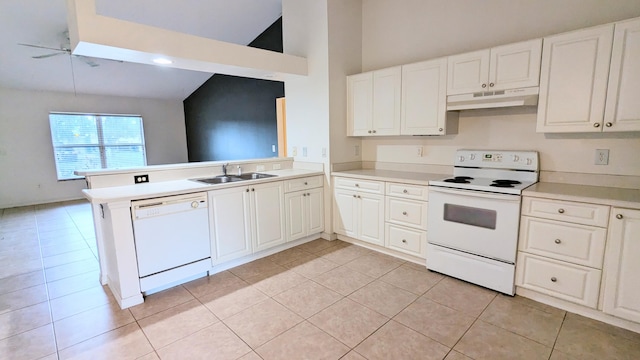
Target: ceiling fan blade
pixel 47 55
pixel 45 47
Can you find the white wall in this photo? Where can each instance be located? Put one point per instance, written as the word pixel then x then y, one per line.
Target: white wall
pixel 405 31
pixel 345 58
pixel 27 168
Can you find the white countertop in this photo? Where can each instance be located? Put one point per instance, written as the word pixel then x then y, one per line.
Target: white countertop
pixel 627 198
pixel 391 176
pixel 176 187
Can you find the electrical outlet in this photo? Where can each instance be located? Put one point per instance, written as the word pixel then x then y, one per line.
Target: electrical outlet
pixel 602 157
pixel 277 167
pixel 304 151
pixel 259 167
pixel 139 179
pixel 419 151
pixel 294 151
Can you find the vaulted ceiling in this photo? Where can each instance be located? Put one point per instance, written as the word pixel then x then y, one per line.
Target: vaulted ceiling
pixel 44 23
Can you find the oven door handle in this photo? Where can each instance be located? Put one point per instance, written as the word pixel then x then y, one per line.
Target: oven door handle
pixel 473 193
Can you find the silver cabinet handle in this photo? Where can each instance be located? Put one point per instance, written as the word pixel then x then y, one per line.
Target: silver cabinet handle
pixel 553 279
pixel 369 131
pixel 252 189
pixel 558 241
pixel 247 189
pixel 354 196
pixel 619 216
pixel 308 194
pixel 359 197
pixel 374 131
pixel 491 85
pixel 609 124
pixel 561 211
pixel 404 213
pixel 304 194
pixel 404 241
pixel 405 191
pixel 305 183
pixel 441 129
pixel 357 185
pixel 597 125
pixel 484 86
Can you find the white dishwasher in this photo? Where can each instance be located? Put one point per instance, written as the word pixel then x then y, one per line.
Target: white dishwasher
pixel 171 239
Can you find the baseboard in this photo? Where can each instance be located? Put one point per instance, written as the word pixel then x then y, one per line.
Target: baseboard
pixel 383 250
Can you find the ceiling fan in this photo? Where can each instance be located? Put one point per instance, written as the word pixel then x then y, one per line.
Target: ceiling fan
pixel 61 51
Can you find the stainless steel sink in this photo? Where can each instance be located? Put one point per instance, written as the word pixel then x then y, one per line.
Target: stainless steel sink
pixel 223 179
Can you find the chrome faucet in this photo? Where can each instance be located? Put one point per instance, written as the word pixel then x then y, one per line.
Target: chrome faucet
pixel 224 169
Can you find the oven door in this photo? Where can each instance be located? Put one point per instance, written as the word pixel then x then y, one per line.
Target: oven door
pixel 475 222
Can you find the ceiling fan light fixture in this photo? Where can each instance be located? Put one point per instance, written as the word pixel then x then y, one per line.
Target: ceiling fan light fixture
pixel 162 61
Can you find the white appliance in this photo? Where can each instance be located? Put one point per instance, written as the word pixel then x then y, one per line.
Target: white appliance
pixel 494 99
pixel 171 239
pixel 474 216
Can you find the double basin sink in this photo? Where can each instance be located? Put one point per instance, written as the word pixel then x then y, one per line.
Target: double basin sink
pixel 223 179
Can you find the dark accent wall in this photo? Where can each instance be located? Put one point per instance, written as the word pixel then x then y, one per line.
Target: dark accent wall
pixel 234 118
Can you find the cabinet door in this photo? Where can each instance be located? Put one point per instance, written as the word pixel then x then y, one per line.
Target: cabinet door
pixel 344 214
pixel 622 268
pixel 315 211
pixel 386 101
pixel 424 98
pixel 622 112
pixel 295 215
pixel 229 222
pixel 359 104
pixel 515 65
pixel 268 206
pixel 371 218
pixel 573 80
pixel 468 72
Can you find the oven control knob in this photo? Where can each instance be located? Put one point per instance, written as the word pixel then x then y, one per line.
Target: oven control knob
pixel 461 158
pixel 529 161
pixel 472 156
pixel 516 158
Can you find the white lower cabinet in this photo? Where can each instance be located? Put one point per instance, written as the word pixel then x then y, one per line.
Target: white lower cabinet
pixel 244 220
pixel 359 210
pixel 622 265
pixel 305 213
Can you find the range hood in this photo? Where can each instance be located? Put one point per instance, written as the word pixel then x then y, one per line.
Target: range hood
pixel 494 99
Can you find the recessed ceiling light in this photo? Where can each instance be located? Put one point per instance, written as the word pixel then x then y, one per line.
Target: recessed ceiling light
pixel 162 61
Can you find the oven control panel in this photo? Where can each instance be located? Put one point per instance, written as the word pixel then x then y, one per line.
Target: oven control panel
pixel 519 160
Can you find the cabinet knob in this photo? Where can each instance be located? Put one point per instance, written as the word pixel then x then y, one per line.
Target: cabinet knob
pixel 441 129
pixel 609 124
pixel 252 189
pixel 553 279
pixel 484 86
pixel 305 183
pixel 359 197
pixel 404 213
pixel 369 131
pixel 491 84
pixel 561 211
pixel 619 216
pixel 308 194
pixel 303 194
pixel 374 131
pixel 247 189
pixel 405 191
pixel 354 196
pixel 404 241
pixel 558 241
pixel 597 125
pixel 357 185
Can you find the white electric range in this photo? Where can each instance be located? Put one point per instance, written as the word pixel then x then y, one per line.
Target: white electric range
pixel 474 216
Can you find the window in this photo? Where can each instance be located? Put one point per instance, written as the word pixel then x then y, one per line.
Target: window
pixel 89 141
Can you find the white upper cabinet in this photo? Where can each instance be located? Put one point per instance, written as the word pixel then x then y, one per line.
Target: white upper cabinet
pixel 373 104
pixel 622 111
pixel 424 99
pixel 499 68
pixel 573 81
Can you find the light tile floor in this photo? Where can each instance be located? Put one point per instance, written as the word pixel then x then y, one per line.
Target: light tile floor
pixel 320 300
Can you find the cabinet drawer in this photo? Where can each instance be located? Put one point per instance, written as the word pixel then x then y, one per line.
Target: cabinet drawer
pixel 303 183
pixel 406 212
pixel 580 213
pixel 409 241
pixel 375 187
pixel 415 192
pixel 579 244
pixel 566 281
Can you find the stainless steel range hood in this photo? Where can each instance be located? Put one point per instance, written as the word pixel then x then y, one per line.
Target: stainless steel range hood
pixel 493 99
